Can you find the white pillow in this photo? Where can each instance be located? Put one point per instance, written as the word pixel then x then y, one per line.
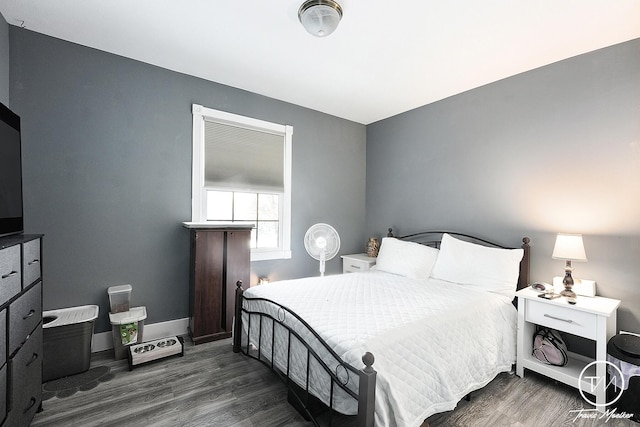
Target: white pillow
pixel 493 269
pixel 408 259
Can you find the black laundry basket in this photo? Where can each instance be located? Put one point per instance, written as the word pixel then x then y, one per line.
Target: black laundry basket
pixel 67 335
pixel 625 348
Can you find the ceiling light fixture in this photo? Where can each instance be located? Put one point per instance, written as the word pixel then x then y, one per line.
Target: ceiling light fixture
pixel 320 17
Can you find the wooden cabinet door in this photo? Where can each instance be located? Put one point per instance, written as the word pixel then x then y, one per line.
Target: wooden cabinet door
pixel 208 286
pixel 238 268
pixel 219 258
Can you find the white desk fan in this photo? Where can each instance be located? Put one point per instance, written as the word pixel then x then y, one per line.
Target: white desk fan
pixel 322 242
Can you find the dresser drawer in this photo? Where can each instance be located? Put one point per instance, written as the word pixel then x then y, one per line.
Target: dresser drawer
pixel 26 381
pixel 3 336
pixel 3 392
pixel 10 276
pixel 564 319
pixel 25 314
pixel 31 262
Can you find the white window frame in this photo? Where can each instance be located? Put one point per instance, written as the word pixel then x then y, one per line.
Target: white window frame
pixel 198 188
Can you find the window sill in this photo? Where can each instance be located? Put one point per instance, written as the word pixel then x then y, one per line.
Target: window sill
pixel 269 255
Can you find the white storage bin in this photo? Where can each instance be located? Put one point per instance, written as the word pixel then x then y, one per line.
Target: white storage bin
pixel 119 298
pixel 119 325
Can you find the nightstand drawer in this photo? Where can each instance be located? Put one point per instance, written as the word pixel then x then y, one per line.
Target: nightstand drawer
pixel 353 265
pixel 564 319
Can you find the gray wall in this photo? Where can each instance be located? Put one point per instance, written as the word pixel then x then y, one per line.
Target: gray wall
pixel 556 149
pixel 4 61
pixel 107 173
pixel 107 147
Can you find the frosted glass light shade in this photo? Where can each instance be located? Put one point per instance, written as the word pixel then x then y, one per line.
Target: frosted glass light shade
pixel 569 247
pixel 320 17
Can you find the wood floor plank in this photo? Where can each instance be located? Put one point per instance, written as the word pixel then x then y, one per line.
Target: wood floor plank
pixel 212 386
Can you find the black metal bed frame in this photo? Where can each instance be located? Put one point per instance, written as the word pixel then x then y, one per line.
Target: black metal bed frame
pixel 303 400
pixel 299 396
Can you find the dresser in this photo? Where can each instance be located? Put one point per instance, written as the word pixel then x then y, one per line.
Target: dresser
pixel 593 318
pixel 21 329
pixel 219 257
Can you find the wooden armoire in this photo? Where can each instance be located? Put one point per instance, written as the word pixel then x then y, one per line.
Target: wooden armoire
pixel 220 256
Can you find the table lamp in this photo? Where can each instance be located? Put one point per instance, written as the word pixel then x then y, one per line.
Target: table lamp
pixel 570 248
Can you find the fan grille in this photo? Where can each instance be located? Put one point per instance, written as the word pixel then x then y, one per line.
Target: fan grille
pixel 321 237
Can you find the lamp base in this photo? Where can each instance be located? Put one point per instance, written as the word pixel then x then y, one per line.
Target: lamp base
pixel 568 282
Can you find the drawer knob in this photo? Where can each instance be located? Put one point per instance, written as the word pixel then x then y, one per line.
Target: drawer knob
pixel 13 273
pixel 355 266
pixel 35 261
pixel 32 403
pixel 33 359
pixel 558 318
pixel 31 313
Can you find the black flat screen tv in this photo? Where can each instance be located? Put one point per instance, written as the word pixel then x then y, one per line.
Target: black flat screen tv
pixel 11 209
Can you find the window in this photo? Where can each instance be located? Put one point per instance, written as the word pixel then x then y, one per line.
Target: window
pixel 242 173
pixel 261 209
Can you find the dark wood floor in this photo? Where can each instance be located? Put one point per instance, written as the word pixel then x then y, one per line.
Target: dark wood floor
pixel 212 386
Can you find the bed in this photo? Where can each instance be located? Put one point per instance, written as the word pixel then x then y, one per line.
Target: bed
pixel 432 322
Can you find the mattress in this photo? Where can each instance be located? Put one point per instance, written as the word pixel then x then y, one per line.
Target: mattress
pixel 433 341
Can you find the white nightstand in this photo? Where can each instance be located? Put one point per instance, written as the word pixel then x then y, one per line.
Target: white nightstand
pixel 357 262
pixel 593 318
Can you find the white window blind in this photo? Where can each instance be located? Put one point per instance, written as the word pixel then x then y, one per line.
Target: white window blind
pixel 243 159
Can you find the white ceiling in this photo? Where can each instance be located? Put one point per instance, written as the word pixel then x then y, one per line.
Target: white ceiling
pixel 386 57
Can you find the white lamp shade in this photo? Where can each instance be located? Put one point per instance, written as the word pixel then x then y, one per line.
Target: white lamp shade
pixel 320 17
pixel 569 246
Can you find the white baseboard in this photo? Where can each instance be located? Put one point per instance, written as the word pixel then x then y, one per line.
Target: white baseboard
pixel 104 340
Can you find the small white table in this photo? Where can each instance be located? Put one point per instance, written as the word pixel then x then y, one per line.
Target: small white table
pixel 357 262
pixel 593 318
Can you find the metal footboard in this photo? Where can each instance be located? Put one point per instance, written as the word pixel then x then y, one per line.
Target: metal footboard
pixel 341 374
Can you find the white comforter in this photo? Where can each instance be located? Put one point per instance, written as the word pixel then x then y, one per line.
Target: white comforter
pixel 433 341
